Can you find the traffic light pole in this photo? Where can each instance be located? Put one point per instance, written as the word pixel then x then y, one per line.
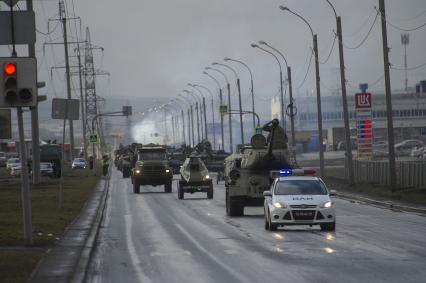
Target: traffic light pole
pixel 25 189
pixel 35 133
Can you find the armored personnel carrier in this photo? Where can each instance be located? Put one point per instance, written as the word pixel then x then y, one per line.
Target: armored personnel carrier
pixel 248 172
pixel 152 168
pixel 194 178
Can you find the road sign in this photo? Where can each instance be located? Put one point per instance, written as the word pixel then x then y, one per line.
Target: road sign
pixel 363 100
pixel 59 109
pixel 364 124
pixel 93 138
pixel 24 25
pixel 18 82
pixel 5 124
pixel 258 130
pixel 423 131
pixel 223 109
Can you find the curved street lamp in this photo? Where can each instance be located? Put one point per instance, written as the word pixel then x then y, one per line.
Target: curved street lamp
pixel 315 43
pixel 290 88
pixel 212 105
pixel 204 113
pixel 190 117
pixel 252 85
pixel 220 103
pixel 239 97
pixel 197 111
pixel 176 102
pixel 231 147
pixel 281 79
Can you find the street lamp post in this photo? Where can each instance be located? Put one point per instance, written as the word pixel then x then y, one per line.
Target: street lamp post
pixel 190 120
pixel 290 88
pixel 344 98
pixel 212 105
pixel 252 86
pixel 231 147
pixel 239 97
pixel 204 110
pixel 281 80
pixel 220 103
pixel 197 110
pixel 320 134
pixel 183 119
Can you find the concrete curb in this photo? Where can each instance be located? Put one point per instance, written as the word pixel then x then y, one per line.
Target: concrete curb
pixel 383 204
pixel 68 260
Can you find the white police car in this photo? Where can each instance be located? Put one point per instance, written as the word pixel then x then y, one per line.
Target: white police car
pixel 296 199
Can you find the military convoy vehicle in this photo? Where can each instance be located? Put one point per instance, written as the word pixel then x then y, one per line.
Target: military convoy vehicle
pixel 152 168
pixel 248 172
pixel 194 178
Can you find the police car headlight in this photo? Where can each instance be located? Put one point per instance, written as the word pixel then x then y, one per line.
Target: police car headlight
pixel 327 204
pixel 280 205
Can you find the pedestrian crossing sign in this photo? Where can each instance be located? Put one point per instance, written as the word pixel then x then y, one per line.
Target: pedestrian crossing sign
pixel 93 138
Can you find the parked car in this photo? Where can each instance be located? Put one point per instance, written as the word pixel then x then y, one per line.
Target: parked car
pixel 46 169
pixel 79 163
pixel 15 171
pixel 3 159
pixel 13 162
pixel 418 152
pixel 405 147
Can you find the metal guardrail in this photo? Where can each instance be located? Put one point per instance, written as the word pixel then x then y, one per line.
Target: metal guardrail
pixel 410 174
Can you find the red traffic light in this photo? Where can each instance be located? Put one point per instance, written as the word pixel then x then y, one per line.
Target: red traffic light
pixel 10 69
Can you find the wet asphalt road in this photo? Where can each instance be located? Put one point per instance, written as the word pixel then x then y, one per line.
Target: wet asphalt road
pixel 154 237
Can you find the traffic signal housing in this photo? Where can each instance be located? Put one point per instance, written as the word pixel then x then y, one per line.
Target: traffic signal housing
pixel 18 78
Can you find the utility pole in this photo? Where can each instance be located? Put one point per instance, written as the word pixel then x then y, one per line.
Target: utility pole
pixel 405 40
pixel 198 121
pixel 241 111
pixel 320 137
pixel 282 101
pixel 83 110
pixel 231 147
pixel 391 142
pixel 63 18
pixel 222 134
pixel 290 86
pixel 205 118
pixel 35 133
pixel 345 103
pixel 192 126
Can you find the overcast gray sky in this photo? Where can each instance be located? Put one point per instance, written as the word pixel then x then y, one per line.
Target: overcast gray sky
pixel 155 47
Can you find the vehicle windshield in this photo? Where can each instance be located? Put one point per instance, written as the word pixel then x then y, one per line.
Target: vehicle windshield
pixel 300 187
pixel 79 160
pixel 45 165
pixel 152 155
pixel 13 160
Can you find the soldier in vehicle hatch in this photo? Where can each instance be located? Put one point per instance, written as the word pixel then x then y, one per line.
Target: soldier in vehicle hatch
pixel 280 137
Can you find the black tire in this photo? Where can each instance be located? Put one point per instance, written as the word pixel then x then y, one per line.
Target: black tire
pixel 266 221
pixel 233 208
pixel 210 192
pixel 168 187
pixel 272 226
pixel 330 227
pixel 136 187
pixel 181 193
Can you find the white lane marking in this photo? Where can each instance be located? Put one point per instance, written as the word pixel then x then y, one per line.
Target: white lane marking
pixel 171 253
pixel 209 254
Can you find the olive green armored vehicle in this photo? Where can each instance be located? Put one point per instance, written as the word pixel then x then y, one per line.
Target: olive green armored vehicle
pixel 152 168
pixel 248 172
pixel 194 178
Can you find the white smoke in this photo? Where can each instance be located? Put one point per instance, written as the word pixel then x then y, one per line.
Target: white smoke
pixel 148 131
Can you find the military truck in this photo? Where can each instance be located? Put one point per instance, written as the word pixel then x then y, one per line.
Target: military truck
pixel 248 172
pixel 152 168
pixel 194 178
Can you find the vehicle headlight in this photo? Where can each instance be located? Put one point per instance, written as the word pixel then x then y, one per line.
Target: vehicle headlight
pixel 207 177
pixel 327 204
pixel 280 205
pixel 138 171
pixel 167 170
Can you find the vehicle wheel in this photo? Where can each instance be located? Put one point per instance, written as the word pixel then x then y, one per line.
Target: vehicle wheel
pixel 266 221
pixel 210 192
pixel 328 227
pixel 233 208
pixel 168 187
pixel 272 226
pixel 136 187
pixel 180 192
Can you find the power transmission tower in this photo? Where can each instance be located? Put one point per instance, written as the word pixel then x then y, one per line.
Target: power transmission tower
pixel 91 99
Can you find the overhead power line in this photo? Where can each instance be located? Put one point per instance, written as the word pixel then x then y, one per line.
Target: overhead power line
pixel 409 69
pixel 307 72
pixel 331 49
pixel 403 29
pixel 366 36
